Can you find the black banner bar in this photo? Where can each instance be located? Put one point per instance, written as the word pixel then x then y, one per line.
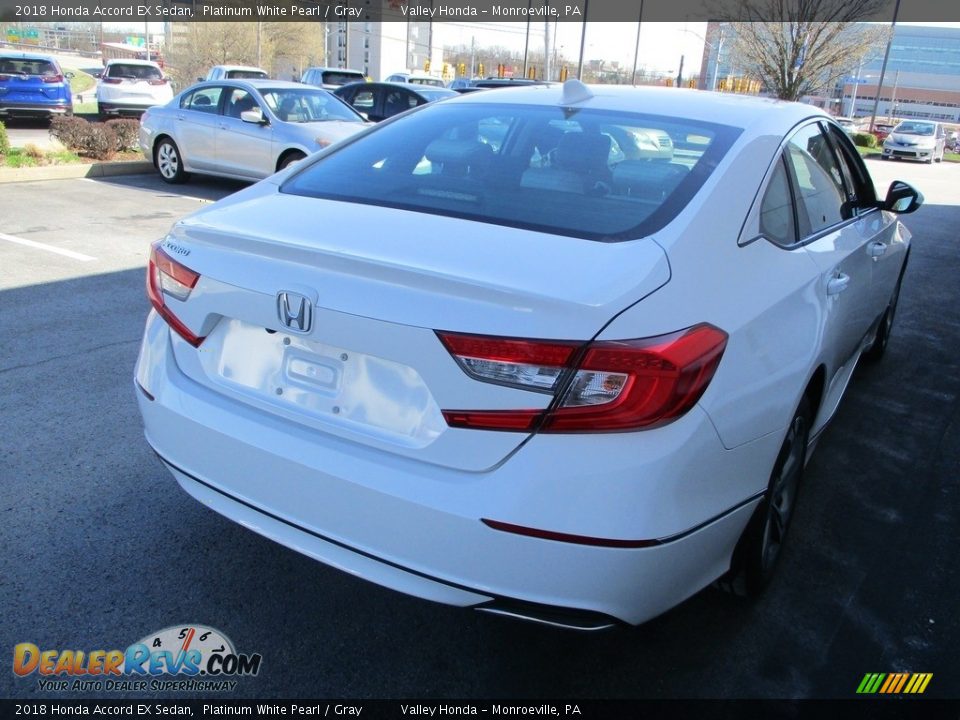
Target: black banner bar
pixel 857 709
pixel 451 10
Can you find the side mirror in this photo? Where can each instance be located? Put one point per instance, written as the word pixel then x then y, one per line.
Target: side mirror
pixel 902 198
pixel 68 75
pixel 254 116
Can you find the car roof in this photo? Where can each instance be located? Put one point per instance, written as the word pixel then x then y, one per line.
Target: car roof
pixel 333 69
pixel 131 61
pixel 258 84
pixel 238 67
pixel 744 111
pixel 16 54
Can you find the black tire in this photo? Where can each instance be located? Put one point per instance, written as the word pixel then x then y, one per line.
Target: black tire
pixel 169 162
pixel 289 159
pixel 882 337
pixel 760 546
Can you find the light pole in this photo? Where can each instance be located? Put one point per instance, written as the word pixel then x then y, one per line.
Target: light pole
pixel 718 47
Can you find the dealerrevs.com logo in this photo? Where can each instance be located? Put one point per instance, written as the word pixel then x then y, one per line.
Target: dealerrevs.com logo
pixel 190 658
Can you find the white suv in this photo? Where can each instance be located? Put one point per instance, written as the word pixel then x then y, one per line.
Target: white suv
pixel 131 86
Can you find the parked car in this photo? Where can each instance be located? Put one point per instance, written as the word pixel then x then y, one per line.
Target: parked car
pixel 851 125
pixel 128 87
pixel 414 79
pixel 331 78
pixel 378 101
pixel 921 140
pixel 245 129
pixel 33 85
pixel 546 375
pixel 882 130
pixel 236 72
pixel 492 83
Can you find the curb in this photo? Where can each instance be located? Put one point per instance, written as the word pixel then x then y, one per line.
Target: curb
pixel 78 170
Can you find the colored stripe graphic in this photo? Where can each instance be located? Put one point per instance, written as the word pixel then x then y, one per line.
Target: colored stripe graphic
pixel 894 683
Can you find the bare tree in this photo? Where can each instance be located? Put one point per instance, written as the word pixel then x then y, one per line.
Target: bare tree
pixel 800 47
pixel 285 47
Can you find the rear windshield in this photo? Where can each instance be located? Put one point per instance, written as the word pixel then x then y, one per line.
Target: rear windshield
pixel 338 77
pixel 597 175
pixel 249 74
pixel 134 72
pixel 21 66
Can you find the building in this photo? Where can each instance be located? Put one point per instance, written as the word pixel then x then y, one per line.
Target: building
pixel 379 49
pixel 922 79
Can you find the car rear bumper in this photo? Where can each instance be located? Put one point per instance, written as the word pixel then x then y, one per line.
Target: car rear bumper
pixel 417 527
pixel 34 109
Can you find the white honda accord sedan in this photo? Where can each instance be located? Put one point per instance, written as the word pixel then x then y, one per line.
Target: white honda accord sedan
pixel 496 354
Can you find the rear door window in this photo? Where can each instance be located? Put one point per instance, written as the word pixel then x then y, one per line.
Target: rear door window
pixel 818 180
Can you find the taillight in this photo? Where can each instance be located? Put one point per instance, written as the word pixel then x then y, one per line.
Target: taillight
pixel 111 81
pixel 5 78
pixel 604 386
pixel 156 81
pixel 165 276
pixel 52 78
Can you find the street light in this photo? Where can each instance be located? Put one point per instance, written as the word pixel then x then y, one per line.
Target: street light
pixel 718 48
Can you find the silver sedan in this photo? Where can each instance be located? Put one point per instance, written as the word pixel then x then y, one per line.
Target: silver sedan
pixel 243 129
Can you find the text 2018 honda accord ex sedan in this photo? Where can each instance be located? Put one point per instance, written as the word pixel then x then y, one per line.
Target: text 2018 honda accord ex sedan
pixel 497 354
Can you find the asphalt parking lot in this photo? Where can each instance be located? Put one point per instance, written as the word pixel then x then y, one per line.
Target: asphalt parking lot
pixel 101 547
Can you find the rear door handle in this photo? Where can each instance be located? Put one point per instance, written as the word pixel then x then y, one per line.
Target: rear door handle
pixel 876 249
pixel 837 285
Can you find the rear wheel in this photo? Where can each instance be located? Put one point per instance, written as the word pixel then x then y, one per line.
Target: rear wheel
pixel 879 347
pixel 169 163
pixel 761 544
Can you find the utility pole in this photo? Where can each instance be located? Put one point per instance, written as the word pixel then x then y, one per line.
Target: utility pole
pixel 526 44
pixel 259 30
pixel 892 113
pixel 548 71
pixel 636 48
pixel 680 73
pixel 583 39
pixel 146 38
pixel 473 56
pixel 883 68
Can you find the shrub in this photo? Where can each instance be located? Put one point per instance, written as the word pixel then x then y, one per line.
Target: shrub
pixel 101 143
pixel 865 139
pixel 4 140
pixel 127 132
pixel 69 130
pixel 85 138
pixel 32 151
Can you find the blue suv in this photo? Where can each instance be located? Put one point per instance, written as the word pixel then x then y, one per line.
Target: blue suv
pixel 33 86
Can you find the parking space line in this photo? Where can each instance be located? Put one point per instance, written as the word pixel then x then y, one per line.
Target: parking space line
pixel 49 248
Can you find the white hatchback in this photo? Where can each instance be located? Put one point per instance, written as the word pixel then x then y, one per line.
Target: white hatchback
pixel 130 87
pixel 496 354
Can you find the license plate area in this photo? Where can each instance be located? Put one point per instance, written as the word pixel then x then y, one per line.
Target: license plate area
pixel 316 382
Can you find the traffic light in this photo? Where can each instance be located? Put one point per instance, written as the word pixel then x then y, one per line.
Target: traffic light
pixel 563 73
pixel 426 66
pixel 501 70
pixel 480 70
pixel 461 69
